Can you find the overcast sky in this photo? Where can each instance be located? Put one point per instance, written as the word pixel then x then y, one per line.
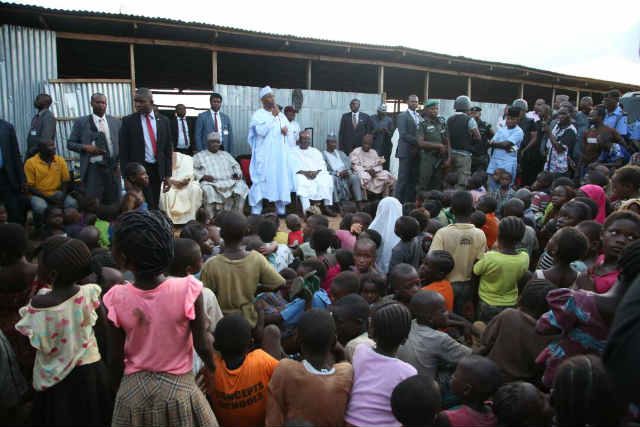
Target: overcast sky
pixel 590 38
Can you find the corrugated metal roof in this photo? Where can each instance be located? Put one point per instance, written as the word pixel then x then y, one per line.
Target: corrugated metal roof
pixel 403 51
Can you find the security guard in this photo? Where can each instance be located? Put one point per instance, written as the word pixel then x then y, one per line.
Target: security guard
pixel 480 158
pixel 435 150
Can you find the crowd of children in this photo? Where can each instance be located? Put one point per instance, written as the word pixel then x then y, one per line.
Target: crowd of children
pixel 465 308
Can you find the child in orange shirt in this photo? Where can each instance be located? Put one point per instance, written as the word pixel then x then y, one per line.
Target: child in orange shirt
pixel 433 272
pixel 238 386
pixel 488 205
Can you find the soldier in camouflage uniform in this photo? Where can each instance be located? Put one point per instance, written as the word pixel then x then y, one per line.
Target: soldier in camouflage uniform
pixel 480 159
pixel 435 151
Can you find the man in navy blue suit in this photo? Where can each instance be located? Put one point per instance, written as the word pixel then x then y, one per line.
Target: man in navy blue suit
pixel 214 120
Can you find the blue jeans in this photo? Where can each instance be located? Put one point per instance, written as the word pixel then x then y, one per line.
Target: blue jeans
pixel 39 205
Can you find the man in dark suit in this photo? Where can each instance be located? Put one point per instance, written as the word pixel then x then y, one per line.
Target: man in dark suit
pixel 182 131
pixel 407 152
pixel 145 138
pixel 95 137
pixel 12 181
pixel 43 125
pixel 353 126
pixel 214 120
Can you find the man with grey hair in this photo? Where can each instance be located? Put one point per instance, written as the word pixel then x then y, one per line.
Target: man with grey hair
pixel 463 135
pixel 96 138
pixel 557 102
pixel 145 138
pixel 382 128
pixel 353 126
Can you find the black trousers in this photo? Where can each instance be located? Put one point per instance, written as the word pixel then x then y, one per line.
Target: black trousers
pixel 12 199
pixel 152 192
pixel 102 183
pixel 407 179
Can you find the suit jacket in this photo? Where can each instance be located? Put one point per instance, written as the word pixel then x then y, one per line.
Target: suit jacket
pixel 173 125
pixel 11 155
pixel 204 126
pixel 84 132
pixel 132 143
pixel 43 125
pixel 348 137
pixel 407 142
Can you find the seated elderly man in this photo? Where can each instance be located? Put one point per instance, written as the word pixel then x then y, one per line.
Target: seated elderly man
pixel 345 183
pixel 313 182
pixel 220 177
pixel 367 164
pixel 184 197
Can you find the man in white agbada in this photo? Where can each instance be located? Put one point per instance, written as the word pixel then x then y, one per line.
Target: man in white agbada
pixel 269 167
pixel 313 182
pixel 220 177
pixel 184 197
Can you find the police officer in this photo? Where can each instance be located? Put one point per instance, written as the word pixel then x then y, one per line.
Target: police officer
pixel 435 151
pixel 480 158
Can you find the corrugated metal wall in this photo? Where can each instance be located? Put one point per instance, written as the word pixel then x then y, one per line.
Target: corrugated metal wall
pixel 321 110
pixel 73 100
pixel 27 61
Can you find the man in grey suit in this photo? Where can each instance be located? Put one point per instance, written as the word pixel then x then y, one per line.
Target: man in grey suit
pixel 43 125
pixel 407 152
pixel 214 120
pixel 96 138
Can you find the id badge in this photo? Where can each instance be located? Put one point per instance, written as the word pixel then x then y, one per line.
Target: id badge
pixel 592 140
pixel 33 132
pixel 96 159
pixel 225 132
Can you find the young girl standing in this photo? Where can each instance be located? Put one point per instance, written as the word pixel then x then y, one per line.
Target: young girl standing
pixel 68 376
pixel 154 325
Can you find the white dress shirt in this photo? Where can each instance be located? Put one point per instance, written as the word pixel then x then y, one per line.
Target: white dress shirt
pixel 183 132
pixel 218 123
pixel 357 117
pixel 149 155
pixel 103 126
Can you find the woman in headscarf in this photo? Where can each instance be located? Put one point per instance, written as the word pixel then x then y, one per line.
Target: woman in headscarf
pixel 597 194
pixel 389 210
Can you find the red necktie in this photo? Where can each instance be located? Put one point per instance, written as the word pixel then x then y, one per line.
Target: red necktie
pixel 152 136
pixel 215 121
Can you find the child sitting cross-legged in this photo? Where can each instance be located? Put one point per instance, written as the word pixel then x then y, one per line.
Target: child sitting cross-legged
pixel 238 387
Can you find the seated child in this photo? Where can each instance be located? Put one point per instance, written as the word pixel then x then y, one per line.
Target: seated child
pixel 53 222
pixel 351 315
pixel 238 386
pixel 619 230
pixel 364 255
pixel 344 284
pixel 478 219
pixel 475 380
pixel 377 371
pixel 234 275
pixel 106 215
pixel 529 242
pixel 416 401
pixel 316 389
pixel 541 189
pixel 73 222
pixel 69 377
pixel 409 249
pixel 90 236
pixel 516 329
pixel 345 259
pixel 593 231
pixel 424 237
pixel 489 205
pixel 195 231
pixel 521 404
pixel 505 191
pixel 404 283
pixel 322 241
pixel 566 246
pixel 499 270
pixel 433 275
pixel 449 239
pixel 373 287
pixel 625 185
pixel 475 186
pixel 311 224
pixel 136 181
pixel 282 256
pixel 432 352
pixel 294 225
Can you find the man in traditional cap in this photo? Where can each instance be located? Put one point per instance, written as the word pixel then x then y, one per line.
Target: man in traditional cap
pixel 435 153
pixel 504 147
pixel 313 182
pixel 382 129
pixel 220 177
pixel 294 127
pixel 480 159
pixel 353 126
pixel 269 168
pixel 345 182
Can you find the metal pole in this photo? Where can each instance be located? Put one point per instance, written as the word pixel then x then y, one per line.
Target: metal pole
pixel 521 91
pixel 380 78
pixel 469 87
pixel 132 67
pixel 214 69
pixel 309 74
pixel 426 86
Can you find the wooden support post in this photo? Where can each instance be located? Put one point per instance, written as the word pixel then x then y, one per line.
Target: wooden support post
pixel 380 78
pixel 214 69
pixel 426 86
pixel 521 96
pixel 577 99
pixel 309 65
pixel 132 68
pixel 553 96
pixel 469 87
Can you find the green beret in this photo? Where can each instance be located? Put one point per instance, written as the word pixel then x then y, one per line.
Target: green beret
pixel 430 103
